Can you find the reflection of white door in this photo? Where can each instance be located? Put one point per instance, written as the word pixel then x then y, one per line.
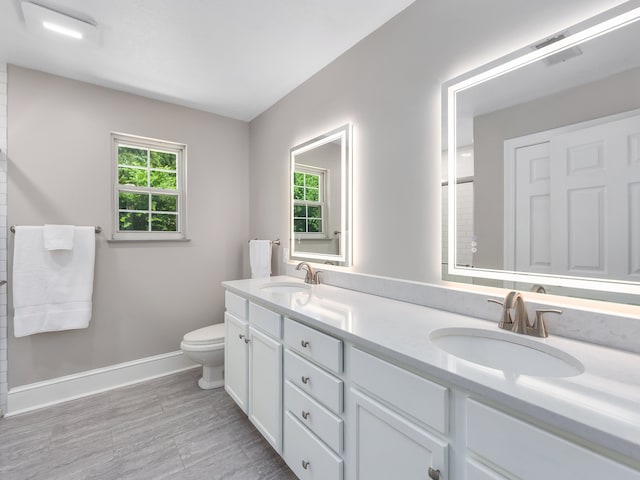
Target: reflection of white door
pixel 577 202
pixel 532 209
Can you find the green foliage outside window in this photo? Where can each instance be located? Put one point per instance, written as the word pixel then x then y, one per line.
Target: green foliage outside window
pixel 149 169
pixel 307 217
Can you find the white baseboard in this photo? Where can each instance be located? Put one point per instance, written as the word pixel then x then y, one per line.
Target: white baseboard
pixel 57 390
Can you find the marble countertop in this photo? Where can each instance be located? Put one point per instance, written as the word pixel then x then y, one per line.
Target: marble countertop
pixel 601 405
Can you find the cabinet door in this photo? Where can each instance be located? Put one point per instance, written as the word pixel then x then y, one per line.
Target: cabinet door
pixel 386 445
pixel 236 359
pixel 529 453
pixel 265 389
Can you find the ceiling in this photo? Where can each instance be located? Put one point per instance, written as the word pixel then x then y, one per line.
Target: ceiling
pixel 231 57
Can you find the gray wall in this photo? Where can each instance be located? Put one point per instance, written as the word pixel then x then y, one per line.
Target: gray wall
pixel 146 295
pixel 389 87
pixel 616 94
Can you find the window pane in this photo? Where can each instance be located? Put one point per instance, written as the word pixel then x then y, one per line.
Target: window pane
pixel 298 193
pixel 299 211
pixel 315 225
pixel 299 225
pixel 164 223
pixel 132 176
pixel 164 160
pixel 315 212
pixel 138 222
pixel 132 156
pixel 164 203
pixel 313 195
pixel 163 180
pixel 312 181
pixel 298 179
pixel 133 201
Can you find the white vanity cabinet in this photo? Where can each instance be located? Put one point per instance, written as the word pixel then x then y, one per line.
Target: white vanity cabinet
pixel 314 403
pixel 265 373
pixel 253 364
pixel 236 348
pixel 340 406
pixel 523 451
pixel 392 415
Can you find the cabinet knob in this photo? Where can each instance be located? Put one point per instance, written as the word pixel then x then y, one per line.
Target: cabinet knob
pixel 240 336
pixel 305 464
pixel 304 343
pixel 306 415
pixel 246 340
pixel 434 474
pixel 305 380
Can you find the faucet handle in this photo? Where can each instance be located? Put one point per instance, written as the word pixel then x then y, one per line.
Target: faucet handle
pixel 539 328
pixel 505 320
pixel 316 277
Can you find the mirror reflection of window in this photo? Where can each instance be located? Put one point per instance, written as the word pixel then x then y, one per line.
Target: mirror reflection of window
pixel 309 201
pixel 320 209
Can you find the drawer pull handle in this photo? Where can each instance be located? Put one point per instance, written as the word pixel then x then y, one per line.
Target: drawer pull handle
pixel 434 474
pixel 305 380
pixel 304 343
pixel 305 464
pixel 306 415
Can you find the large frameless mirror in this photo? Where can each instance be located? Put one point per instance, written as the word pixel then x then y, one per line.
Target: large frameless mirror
pixel 320 215
pixel 543 154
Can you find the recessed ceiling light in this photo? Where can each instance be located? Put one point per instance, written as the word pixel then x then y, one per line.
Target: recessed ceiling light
pixel 40 19
pixel 54 27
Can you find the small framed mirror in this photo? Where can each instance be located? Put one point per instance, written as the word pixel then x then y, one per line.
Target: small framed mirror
pixel 320 210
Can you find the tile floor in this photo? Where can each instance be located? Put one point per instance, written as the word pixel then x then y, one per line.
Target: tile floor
pixel 165 428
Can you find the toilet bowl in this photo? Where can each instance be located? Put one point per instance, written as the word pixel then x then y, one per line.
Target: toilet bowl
pixel 206 347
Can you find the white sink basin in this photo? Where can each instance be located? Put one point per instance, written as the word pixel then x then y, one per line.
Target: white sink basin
pixel 509 352
pixel 286 287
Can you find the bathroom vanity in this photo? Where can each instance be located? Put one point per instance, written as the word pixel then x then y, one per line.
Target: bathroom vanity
pixel 347 385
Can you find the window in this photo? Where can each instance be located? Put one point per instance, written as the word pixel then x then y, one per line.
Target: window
pixel 149 189
pixel 309 202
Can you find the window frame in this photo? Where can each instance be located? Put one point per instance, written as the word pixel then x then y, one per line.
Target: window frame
pixel 180 150
pixel 322 175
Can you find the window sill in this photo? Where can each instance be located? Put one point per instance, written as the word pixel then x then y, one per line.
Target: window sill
pixel 148 237
pixel 135 240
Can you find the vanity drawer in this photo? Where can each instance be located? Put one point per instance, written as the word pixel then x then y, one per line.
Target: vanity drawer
pixel 314 416
pixel 235 304
pixel 266 320
pixel 418 397
pixel 306 455
pixel 509 442
pixel 475 471
pixel 319 347
pixel 321 385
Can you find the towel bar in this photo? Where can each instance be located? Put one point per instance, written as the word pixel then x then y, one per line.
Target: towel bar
pixel 98 228
pixel 273 242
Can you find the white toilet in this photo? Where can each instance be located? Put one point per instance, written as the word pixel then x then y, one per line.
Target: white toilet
pixel 206 347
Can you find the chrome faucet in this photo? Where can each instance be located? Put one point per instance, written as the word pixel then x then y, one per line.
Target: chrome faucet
pixel 519 323
pixel 312 277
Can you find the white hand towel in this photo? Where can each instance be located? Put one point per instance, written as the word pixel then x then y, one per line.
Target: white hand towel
pixel 52 289
pixel 260 258
pixel 59 237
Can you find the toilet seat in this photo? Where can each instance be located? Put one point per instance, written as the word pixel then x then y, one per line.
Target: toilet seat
pixel 211 335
